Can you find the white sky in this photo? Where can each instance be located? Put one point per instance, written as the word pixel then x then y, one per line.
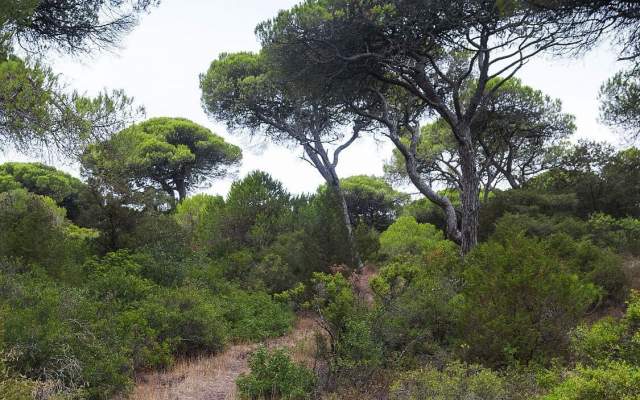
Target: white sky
pixel 159 63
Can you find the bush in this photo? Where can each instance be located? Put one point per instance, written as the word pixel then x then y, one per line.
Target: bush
pixel 274 376
pixel 187 318
pixel 255 316
pixel 414 310
pixel 611 340
pixel 456 381
pixel 353 352
pixel 407 238
pixel 518 302
pixel 52 335
pixel 615 380
pixel 60 246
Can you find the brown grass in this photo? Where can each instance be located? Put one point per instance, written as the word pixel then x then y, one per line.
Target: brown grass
pixel 213 377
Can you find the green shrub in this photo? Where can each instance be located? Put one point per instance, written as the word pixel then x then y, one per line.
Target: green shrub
pixel 407 238
pixel 35 230
pixel 187 318
pixel 53 335
pixel 274 376
pixel 352 352
pixel 456 381
pixel 414 310
pixel 255 316
pixel 623 234
pixel 518 302
pixel 612 381
pixel 611 340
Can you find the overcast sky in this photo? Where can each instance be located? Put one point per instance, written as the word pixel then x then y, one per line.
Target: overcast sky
pixel 159 63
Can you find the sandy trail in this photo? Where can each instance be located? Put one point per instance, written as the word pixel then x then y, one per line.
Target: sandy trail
pixel 213 377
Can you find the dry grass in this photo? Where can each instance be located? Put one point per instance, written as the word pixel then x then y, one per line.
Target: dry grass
pixel 213 377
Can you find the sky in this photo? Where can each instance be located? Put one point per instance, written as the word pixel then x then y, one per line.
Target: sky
pixel 159 64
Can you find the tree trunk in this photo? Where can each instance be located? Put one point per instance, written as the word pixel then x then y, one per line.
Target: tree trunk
pixel 470 194
pixel 337 190
pixel 182 190
pixel 452 231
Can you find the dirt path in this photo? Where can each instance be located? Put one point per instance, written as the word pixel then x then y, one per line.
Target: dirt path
pixel 213 378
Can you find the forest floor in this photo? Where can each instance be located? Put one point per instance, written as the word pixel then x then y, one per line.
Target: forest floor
pixel 213 377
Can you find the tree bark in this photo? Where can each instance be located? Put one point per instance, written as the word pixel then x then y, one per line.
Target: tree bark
pixel 182 190
pixel 346 217
pixel 470 193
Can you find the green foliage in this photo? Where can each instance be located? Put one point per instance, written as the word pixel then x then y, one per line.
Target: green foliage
pixel 274 376
pixel 41 179
pixel 406 237
pixel 609 339
pixel 60 245
pixel 519 301
pixel 353 352
pixel 371 201
pixel 256 209
pixel 201 216
pixel 455 381
pixel 614 380
pixel 255 316
pixel 415 309
pixel 620 101
pixel 169 154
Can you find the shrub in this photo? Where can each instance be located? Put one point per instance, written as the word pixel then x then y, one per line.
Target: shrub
pixel 52 335
pixel 456 381
pixel 255 316
pixel 187 318
pixel 353 351
pixel 611 340
pixel 405 237
pixel 414 311
pixel 518 302
pixel 615 380
pixel 25 217
pixel 274 376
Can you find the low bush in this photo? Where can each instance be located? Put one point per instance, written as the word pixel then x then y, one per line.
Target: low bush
pixel 273 375
pixel 454 382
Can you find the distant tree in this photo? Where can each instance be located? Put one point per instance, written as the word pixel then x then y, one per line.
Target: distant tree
pixel 255 210
pixel 515 133
pixel 44 180
pixel 620 102
pixel 372 201
pixel 601 178
pixel 169 154
pixel 241 90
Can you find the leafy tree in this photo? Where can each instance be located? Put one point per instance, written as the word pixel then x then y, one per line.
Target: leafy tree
pixel 256 210
pixel 44 180
pixel 398 60
pixel 371 201
pixel 201 216
pixel 61 246
pixel 602 179
pixel 169 154
pixel 515 134
pixel 620 102
pixel 68 25
pixel 241 90
pixel 35 110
